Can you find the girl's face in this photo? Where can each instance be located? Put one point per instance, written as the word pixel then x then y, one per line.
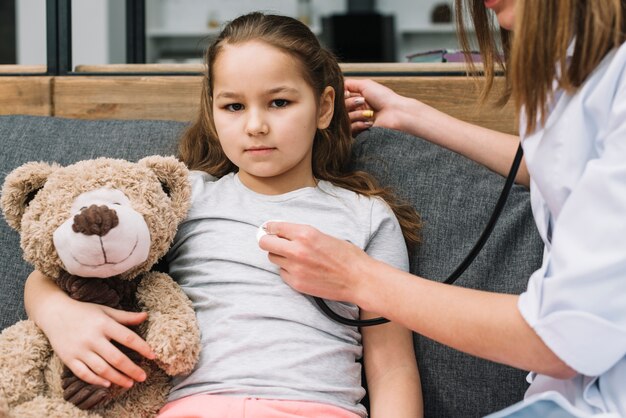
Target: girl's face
pixel 266 116
pixel 505 11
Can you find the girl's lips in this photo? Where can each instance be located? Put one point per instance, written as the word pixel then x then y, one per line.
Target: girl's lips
pixel 259 151
pixel 490 4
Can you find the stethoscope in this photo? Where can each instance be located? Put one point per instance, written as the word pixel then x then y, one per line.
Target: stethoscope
pixel 462 266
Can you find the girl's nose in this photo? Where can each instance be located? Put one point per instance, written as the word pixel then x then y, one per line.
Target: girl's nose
pixel 256 124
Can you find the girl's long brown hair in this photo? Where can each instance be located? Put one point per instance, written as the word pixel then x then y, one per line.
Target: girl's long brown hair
pixel 537 54
pixel 332 147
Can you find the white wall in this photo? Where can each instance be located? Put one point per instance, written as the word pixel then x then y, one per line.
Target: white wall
pixel 117 31
pixel 179 24
pixel 192 15
pixel 98 25
pixel 30 25
pixel 90 32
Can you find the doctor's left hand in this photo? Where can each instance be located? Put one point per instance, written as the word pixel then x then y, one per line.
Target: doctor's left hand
pixel 315 263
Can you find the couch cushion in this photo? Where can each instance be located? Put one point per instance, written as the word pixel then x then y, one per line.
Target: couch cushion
pixel 455 197
pixel 35 138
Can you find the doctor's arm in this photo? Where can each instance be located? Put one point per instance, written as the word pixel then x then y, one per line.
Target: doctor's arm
pixel 81 334
pixel 495 150
pixel 484 324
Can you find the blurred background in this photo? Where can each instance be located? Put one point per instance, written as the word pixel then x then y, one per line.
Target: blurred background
pixel 177 31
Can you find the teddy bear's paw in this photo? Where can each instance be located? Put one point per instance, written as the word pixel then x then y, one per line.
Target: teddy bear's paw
pixel 176 344
pixel 24 352
pixel 49 407
pixel 145 399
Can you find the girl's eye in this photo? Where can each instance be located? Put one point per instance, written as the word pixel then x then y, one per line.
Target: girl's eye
pixel 280 103
pixel 234 107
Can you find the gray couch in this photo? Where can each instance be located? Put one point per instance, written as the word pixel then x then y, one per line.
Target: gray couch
pixel 454 195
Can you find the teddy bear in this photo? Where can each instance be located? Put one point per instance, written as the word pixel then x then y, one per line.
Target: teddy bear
pixel 98 228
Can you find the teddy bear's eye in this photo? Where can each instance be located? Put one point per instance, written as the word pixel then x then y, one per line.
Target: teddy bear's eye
pixel 166 189
pixel 30 196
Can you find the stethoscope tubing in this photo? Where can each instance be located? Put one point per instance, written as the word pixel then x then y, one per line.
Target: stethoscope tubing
pixel 504 194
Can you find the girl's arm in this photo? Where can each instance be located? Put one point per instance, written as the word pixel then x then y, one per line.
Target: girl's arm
pixel 81 333
pixel 391 371
pixel 495 150
pixel 483 324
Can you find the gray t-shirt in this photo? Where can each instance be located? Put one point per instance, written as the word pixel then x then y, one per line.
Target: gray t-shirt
pixel 261 338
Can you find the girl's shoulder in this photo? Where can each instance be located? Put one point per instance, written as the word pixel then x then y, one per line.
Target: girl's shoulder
pixel 203 183
pixel 353 198
pixel 198 181
pixel 331 189
pixel 200 176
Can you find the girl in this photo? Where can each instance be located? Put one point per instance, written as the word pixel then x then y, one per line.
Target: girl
pixel 565 65
pixel 272 141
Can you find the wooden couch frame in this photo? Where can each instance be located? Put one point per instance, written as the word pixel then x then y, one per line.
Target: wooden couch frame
pixel 160 91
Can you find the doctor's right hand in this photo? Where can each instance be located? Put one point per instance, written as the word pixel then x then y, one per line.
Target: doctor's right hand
pixel 314 263
pixel 372 104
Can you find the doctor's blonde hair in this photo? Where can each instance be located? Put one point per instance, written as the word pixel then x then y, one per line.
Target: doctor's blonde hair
pixel 537 53
pixel 332 147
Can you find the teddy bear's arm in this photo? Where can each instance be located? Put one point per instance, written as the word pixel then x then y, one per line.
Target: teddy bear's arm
pixel 171 328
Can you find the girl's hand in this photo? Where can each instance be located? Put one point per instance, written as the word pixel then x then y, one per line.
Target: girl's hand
pixel 372 104
pixel 314 263
pixel 82 333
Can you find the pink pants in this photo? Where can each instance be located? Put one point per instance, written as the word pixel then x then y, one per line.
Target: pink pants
pixel 216 406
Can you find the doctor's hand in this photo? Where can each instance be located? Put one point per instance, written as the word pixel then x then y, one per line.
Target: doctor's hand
pixel 372 104
pixel 315 263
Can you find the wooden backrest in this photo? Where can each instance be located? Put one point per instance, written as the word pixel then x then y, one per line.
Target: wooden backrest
pixel 137 92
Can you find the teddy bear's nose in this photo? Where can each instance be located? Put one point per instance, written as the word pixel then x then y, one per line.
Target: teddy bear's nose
pixel 95 220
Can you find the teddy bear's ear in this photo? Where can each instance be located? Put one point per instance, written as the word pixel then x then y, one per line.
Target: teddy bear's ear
pixel 20 187
pixel 174 178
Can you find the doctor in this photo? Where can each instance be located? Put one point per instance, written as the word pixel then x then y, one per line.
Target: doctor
pixel 566 67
